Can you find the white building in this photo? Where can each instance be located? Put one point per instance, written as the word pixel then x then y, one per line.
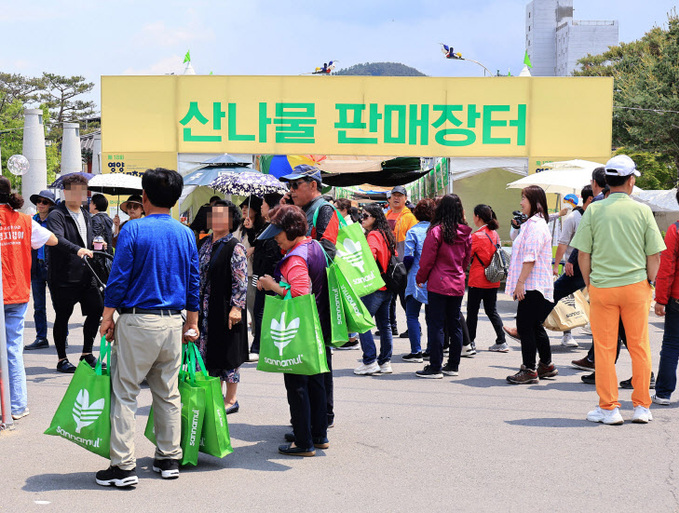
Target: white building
pixel 555 41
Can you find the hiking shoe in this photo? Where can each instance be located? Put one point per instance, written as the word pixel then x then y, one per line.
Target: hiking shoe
pixel 367 369
pixel 385 368
pixel 583 364
pixel 525 376
pixel 469 351
pixel 664 401
pixel 428 372
pixel 425 355
pixel 546 370
pixel 608 417
pixel 413 357
pixel 589 379
pixel 394 331
pixel 642 415
pixel 168 469
pixel 39 343
pixel 628 383
pixel 567 340
pixel 17 416
pixel 404 334
pixel 349 345
pixel 115 476
pixel 67 368
pixel 512 332
pixel 449 370
pixel 499 348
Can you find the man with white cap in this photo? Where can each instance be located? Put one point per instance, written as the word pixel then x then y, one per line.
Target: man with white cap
pixel 619 244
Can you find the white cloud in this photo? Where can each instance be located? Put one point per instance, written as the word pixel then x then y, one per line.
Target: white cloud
pixel 172 64
pixel 158 33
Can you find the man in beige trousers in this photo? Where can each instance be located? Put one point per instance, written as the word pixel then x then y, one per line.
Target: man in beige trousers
pixel 154 277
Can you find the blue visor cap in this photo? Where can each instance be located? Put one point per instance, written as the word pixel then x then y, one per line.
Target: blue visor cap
pixel 270 232
pixel 303 171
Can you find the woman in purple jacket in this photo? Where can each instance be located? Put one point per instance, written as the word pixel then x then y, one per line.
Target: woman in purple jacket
pixel 445 256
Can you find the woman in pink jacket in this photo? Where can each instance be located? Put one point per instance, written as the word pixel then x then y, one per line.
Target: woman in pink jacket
pixel 445 256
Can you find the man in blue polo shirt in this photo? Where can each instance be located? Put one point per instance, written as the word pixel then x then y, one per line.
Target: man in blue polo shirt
pixel 154 277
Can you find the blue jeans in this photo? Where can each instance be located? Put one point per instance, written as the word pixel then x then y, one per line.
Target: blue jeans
pixel 666 382
pixel 377 304
pixel 14 331
pixel 444 311
pixel 413 307
pixel 38 286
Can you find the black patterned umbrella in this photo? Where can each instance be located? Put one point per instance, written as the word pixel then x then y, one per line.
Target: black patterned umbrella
pixel 247 183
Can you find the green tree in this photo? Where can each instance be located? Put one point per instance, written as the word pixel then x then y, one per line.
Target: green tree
pixel 60 95
pixel 381 69
pixel 646 96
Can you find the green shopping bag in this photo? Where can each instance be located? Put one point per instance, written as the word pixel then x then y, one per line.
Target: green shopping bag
pixel 354 257
pixel 84 414
pixel 193 410
pixel 338 320
pixel 215 439
pixel 358 318
pixel 291 339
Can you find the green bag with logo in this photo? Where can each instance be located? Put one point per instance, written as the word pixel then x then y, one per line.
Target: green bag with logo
pixel 84 414
pixel 358 318
pixel 292 340
pixel 215 439
pixel 338 320
pixel 193 410
pixel 354 257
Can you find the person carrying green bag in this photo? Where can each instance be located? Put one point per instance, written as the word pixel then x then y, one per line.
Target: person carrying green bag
pixel 153 278
pixel 383 246
pixel 193 403
pixel 83 416
pixel 303 268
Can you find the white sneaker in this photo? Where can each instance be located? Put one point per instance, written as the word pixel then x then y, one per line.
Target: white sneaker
pixel 469 351
pixel 253 357
pixel 587 329
pixel 642 415
pixel 661 400
pixel 609 417
pixel 367 370
pixel 385 368
pixel 567 340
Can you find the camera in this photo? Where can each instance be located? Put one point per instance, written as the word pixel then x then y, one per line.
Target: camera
pixel 518 219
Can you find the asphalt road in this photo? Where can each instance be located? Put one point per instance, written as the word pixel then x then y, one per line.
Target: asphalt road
pixel 401 443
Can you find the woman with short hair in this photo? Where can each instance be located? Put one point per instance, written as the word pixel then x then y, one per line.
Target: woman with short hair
pixel 303 269
pixel 223 338
pixel 530 282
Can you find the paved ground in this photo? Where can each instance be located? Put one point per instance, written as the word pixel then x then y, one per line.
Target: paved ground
pixel 468 443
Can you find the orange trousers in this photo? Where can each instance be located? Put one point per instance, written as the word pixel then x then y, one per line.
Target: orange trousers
pixel 607 306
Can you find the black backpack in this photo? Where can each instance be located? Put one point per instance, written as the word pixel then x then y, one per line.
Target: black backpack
pixel 396 276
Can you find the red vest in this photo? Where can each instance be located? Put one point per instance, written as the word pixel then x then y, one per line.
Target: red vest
pixel 15 243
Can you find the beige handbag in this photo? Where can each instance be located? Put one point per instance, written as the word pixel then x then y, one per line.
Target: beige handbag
pixel 570 312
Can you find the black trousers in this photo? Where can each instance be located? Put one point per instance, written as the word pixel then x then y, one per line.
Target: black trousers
pixel 258 308
pixel 64 300
pixel 392 307
pixel 532 311
pixel 489 298
pixel 329 388
pixel 307 400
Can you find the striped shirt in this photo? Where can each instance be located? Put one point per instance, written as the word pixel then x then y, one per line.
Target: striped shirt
pixel 534 244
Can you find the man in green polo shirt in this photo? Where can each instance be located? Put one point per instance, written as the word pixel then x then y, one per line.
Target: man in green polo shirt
pixel 620 245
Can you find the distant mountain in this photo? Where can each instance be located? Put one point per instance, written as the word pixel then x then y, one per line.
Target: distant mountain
pixel 381 69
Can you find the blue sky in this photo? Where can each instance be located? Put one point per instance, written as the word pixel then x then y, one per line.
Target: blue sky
pixel 286 37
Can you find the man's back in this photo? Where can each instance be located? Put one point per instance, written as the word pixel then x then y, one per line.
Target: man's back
pixel 155 266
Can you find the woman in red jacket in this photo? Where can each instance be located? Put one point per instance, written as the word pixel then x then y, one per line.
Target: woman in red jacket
pixel 484 242
pixel 445 256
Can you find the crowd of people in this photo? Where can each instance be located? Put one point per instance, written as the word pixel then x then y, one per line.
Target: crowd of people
pixel 220 272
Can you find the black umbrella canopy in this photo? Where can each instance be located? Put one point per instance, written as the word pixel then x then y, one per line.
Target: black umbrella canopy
pixel 396 171
pixel 225 160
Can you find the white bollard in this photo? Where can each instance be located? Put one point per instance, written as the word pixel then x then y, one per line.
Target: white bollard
pixel 71 157
pixel 96 154
pixel 35 180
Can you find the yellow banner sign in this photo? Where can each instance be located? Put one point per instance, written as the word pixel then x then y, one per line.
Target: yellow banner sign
pixel 338 115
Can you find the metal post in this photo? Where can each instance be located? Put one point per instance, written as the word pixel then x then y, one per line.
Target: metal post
pixel 5 408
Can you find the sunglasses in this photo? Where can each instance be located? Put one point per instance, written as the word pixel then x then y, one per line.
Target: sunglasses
pixel 365 216
pixel 43 202
pixel 295 185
